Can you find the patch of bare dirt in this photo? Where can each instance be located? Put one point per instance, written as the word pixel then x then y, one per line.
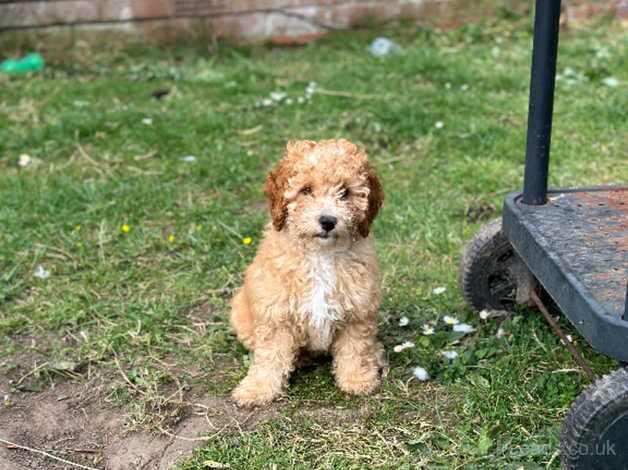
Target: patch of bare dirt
pixel 74 421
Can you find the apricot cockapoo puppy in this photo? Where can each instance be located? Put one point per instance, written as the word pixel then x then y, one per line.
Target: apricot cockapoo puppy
pixel 314 285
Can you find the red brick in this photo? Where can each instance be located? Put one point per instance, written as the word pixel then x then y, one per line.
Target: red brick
pixel 151 8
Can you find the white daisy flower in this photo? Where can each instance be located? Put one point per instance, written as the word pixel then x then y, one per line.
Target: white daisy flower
pixel 439 124
pixel 147 121
pixel 267 102
pixel 484 314
pixel 300 100
pixel 420 373
pixel 311 88
pixel 463 328
pixel 500 333
pixel 450 320
pixel 450 354
pixel 288 101
pixel 428 329
pixel 610 82
pixel 438 290
pixel 24 160
pixel 464 87
pixel 277 95
pixel 403 321
pixel 189 159
pixel 41 273
pixel 602 53
pixel 403 346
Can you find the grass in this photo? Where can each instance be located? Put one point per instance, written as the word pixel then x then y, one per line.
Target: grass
pixel 158 294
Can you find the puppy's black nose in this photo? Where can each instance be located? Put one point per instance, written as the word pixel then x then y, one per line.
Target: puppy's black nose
pixel 328 222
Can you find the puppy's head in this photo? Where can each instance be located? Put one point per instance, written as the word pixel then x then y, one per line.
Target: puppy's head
pixel 324 193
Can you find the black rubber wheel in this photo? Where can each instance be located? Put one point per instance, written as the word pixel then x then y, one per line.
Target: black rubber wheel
pixel 490 270
pixel 594 435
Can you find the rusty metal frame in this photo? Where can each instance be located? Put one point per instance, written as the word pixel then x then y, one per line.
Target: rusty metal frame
pixel 604 331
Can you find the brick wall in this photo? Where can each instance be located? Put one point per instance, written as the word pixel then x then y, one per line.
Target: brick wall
pixel 283 20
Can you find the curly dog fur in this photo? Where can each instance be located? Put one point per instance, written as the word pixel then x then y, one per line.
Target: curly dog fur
pixel 314 285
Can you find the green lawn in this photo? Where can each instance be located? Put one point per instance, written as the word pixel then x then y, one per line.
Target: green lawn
pixel 106 155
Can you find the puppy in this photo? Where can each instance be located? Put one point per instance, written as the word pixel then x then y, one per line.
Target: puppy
pixel 314 285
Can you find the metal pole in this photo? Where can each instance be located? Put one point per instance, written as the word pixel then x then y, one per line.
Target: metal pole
pixel 542 79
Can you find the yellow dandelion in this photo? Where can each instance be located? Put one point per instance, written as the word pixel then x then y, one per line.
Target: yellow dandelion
pixel 171 239
pixel 247 240
pixel 125 228
pixel 199 227
pixel 77 228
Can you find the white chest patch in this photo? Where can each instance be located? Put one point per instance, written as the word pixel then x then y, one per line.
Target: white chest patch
pixel 319 308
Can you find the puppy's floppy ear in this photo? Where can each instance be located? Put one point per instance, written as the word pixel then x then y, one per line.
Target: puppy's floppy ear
pixel 275 186
pixel 376 198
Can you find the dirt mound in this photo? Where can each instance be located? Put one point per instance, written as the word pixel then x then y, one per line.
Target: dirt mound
pixel 75 422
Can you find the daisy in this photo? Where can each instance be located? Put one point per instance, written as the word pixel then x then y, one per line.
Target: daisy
pixel 420 373
pixel 41 273
pixel 450 354
pixel 463 328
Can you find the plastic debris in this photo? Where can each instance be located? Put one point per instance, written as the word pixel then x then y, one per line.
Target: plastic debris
pixel 381 47
pixel 33 62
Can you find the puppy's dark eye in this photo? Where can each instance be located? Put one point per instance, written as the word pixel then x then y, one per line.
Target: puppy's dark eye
pixel 344 193
pixel 306 190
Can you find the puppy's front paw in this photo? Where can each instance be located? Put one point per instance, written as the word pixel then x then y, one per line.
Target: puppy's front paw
pixel 359 382
pixel 252 392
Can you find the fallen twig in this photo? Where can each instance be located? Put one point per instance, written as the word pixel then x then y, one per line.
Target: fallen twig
pixel 348 94
pixel 13 445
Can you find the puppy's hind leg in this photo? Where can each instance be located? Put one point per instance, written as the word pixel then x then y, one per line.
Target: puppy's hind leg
pixel 242 321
